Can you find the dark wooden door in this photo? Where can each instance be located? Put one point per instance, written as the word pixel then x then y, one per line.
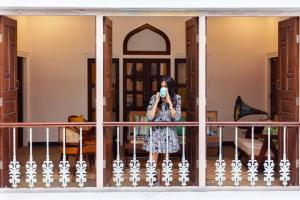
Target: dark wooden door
pixel 91 83
pixel 288 93
pixel 192 94
pixel 141 79
pixel 8 91
pixel 108 108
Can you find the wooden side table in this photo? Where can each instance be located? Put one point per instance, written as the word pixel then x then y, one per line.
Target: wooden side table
pixel 212 143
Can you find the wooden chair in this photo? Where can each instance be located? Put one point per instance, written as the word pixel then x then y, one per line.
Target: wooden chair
pixel 73 142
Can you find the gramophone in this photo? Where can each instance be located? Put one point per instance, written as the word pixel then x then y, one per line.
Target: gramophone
pixel 241 109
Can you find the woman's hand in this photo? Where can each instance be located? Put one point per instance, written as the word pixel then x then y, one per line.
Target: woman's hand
pixel 157 98
pixel 154 106
pixel 169 100
pixel 172 110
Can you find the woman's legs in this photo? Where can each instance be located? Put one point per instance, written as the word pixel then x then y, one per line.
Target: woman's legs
pixel 155 158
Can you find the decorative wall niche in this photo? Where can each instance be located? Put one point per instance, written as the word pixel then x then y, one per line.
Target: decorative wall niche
pixel 146 40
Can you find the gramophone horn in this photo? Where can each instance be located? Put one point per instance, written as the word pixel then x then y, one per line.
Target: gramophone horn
pixel 241 109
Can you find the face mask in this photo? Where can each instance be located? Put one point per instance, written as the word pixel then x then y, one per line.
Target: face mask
pixel 163 92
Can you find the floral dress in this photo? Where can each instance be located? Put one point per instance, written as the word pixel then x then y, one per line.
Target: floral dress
pixel 159 134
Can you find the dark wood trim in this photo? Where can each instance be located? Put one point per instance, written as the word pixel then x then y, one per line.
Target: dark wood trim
pixel 89 87
pixel 190 123
pixel 20 72
pixel 43 144
pixel 117 62
pixel 139 29
pixel 228 143
pixel 274 87
pixel 146 52
pixel 177 62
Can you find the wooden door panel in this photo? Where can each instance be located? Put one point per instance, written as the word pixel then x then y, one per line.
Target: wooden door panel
pixel 8 91
pixel 108 108
pixel 192 91
pixel 145 77
pixel 289 80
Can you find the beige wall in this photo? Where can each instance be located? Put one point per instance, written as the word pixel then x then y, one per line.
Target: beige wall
pixel 57 50
pixel 22 33
pixel 236 63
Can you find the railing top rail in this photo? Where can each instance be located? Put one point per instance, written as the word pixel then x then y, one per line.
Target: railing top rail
pixel 130 124
pixel 93 124
pixel 254 123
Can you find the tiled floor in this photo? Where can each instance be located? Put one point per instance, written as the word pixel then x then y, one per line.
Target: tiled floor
pixel 228 157
pixel 39 157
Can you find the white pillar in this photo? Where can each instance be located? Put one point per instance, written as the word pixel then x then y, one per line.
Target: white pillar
pixel 99 101
pixel 202 101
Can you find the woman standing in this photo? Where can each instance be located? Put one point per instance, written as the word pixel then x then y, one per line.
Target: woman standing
pixel 165 106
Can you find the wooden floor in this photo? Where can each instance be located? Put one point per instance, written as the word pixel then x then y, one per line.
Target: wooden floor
pixel 39 157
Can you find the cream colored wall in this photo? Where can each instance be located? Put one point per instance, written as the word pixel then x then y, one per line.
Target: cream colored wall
pixel 22 33
pixel 236 63
pixel 154 42
pixel 58 48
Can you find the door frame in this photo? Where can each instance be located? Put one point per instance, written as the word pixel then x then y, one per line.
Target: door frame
pixel 90 61
pixel 26 93
pixel 20 79
pixel 268 57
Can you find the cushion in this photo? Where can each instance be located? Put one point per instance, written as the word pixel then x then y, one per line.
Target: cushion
pixel 79 118
pixel 273 130
pixel 144 130
pixel 179 129
pixel 71 135
pixel 141 130
pixel 70 150
pixel 245 145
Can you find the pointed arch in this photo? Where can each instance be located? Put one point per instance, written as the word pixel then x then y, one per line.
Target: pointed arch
pixel 146 26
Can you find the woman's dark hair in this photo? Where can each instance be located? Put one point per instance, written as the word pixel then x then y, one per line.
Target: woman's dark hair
pixel 171 89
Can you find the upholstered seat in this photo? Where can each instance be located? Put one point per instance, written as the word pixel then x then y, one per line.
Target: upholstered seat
pixel 72 139
pixel 245 145
pixel 260 147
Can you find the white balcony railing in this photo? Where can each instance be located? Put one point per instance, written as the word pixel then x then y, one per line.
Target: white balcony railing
pixel 139 174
